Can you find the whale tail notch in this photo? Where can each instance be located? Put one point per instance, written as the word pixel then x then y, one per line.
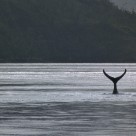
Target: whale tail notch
pixel 114 80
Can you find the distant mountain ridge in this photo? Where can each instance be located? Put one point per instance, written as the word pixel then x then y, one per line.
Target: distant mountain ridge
pixel 66 31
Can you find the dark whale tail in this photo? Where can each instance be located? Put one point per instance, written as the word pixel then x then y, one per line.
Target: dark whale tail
pixel 114 80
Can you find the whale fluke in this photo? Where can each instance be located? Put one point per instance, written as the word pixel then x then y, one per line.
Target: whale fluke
pixel 114 80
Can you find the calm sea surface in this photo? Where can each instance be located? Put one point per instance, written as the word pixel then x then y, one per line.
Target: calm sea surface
pixel 66 100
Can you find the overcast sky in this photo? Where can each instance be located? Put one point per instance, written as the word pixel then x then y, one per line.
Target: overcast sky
pixel 126 4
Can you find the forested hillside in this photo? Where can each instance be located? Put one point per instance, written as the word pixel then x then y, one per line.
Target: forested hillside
pixel 66 31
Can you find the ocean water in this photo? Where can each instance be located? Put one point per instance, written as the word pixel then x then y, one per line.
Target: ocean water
pixel 66 100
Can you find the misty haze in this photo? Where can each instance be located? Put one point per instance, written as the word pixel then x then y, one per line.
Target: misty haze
pixel 129 5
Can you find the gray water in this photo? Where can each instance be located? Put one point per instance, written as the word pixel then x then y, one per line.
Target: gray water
pixel 66 100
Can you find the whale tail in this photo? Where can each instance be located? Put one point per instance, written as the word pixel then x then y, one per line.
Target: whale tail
pixel 114 80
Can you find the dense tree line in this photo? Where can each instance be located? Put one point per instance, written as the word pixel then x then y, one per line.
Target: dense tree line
pixel 66 31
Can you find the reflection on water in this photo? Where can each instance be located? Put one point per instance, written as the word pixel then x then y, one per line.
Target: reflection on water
pixel 66 100
pixel 68 119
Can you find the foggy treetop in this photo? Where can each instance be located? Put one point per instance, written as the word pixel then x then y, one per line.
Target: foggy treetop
pixel 129 5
